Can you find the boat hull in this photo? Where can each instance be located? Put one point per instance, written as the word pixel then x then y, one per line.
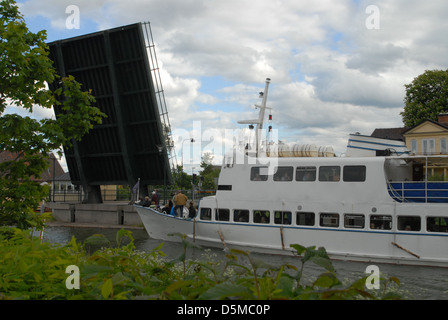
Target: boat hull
pixel 348 245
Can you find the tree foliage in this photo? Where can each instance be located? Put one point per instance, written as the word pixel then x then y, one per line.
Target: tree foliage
pixel 209 172
pixel 426 97
pixel 25 74
pixel 32 270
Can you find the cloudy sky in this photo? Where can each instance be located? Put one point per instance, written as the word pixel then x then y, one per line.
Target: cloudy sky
pixel 336 66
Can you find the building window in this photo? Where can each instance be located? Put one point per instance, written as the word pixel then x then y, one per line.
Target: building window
pixel 261 216
pixel 409 223
pixel 259 174
pixel 283 174
pixel 282 217
pixel 381 222
pixel 354 173
pixel 443 145
pixel 305 218
pixel 241 215
pixel 329 173
pixel 329 220
pixel 354 221
pixel 414 149
pixel 306 174
pixel 428 146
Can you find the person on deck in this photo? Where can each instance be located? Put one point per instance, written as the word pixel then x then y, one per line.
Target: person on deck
pixel 180 201
pixel 146 202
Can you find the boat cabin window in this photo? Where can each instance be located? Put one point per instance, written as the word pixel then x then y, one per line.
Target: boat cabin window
pixel 354 221
pixel 408 223
pixel 354 173
pixel 437 224
pixel 305 218
pixel 259 174
pixel 282 217
pixel 283 174
pixel 206 214
pixel 329 220
pixel 225 187
pixel 306 174
pixel 381 222
pixel 261 216
pixel 240 215
pixel 329 173
pixel 222 214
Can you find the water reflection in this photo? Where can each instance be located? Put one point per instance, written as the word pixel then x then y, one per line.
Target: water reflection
pixel 416 282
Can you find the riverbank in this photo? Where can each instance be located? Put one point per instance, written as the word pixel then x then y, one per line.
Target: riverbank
pixel 110 214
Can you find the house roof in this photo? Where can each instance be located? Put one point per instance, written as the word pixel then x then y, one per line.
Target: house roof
pixel 442 125
pixel 389 133
pixel 63 177
pixel 54 169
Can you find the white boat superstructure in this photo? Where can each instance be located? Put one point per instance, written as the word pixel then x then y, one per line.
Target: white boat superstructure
pixel 376 209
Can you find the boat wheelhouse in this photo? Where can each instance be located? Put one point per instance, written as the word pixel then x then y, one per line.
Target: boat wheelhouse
pixel 374 209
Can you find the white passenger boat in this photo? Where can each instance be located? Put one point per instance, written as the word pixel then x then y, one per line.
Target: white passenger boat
pixel 373 209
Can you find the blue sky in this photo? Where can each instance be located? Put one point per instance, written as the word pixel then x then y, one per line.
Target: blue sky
pixel 332 73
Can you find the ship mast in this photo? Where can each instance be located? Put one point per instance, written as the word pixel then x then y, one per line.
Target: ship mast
pixel 259 122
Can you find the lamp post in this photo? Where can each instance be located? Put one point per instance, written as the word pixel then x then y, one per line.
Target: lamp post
pixel 191 141
pixel 192 184
pixel 54 173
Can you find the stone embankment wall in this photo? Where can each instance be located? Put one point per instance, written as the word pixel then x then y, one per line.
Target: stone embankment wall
pixel 104 213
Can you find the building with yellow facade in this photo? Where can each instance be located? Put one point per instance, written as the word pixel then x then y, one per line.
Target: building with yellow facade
pixel 430 138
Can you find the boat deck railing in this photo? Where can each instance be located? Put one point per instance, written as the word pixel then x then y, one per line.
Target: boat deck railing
pixel 419 191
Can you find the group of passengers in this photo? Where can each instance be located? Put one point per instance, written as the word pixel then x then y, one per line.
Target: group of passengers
pixel 177 206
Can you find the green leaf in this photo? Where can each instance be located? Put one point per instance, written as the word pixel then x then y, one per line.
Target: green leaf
pixel 177 285
pixel 107 288
pixel 326 280
pixel 323 262
pixel 300 249
pixel 225 290
pixel 286 284
pixel 93 269
pixel 97 240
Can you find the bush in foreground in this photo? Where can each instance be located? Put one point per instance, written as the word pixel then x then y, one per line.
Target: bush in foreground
pixel 32 270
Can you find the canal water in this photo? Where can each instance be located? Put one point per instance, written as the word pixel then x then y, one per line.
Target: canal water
pixel 417 283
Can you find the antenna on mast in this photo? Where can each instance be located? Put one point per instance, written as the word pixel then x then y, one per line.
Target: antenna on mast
pixel 259 121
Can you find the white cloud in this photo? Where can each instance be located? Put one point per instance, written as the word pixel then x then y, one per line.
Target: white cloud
pixel 330 74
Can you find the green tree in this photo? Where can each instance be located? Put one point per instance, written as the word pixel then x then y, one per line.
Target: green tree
pixel 426 97
pixel 182 180
pixel 209 172
pixel 25 73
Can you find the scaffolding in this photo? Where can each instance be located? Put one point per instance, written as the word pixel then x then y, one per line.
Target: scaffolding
pixel 160 96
